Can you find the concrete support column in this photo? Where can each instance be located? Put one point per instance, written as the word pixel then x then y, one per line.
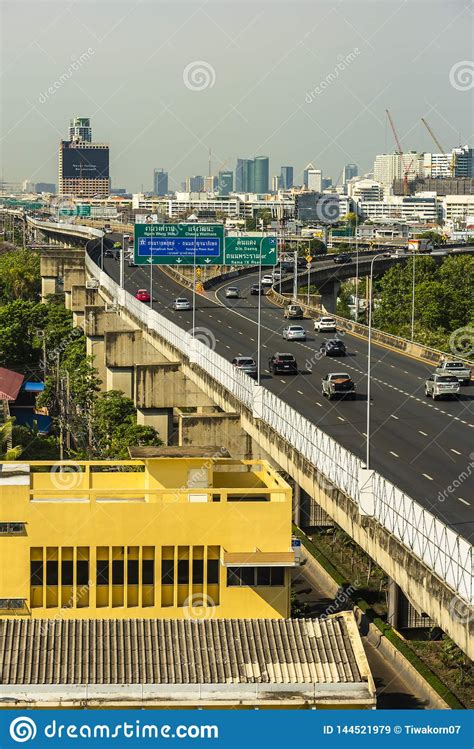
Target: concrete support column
pixel 95 347
pixel 296 504
pixel 48 286
pixel 160 419
pixel 393 603
pixel 329 297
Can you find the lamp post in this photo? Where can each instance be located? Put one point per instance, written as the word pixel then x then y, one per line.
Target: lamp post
pixel 259 310
pixel 194 280
pixel 413 301
pixel 369 353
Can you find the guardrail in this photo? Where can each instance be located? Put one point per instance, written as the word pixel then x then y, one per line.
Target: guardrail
pixel 442 550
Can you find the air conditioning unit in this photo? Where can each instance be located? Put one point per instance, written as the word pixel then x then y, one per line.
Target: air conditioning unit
pixel 92 283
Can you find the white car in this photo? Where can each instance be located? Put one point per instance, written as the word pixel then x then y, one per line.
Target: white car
pixel 267 280
pixel 182 304
pixel 294 333
pixel 276 275
pixel 325 324
pixel 232 292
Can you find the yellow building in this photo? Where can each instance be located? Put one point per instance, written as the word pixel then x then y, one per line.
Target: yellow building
pixel 157 538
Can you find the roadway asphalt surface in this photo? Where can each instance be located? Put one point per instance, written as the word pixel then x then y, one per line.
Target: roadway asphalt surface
pixel 425 448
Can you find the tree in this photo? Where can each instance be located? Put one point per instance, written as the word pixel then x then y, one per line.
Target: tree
pixel 19 275
pixel 264 216
pixel 114 426
pixel 250 224
pixel 35 446
pixel 8 453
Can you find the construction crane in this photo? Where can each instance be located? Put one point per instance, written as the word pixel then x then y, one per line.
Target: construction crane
pixel 406 171
pixel 395 134
pixel 452 163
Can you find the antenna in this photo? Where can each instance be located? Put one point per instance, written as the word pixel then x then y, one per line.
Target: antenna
pixel 210 170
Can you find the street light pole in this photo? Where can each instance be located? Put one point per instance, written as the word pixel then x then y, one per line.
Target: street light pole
pixel 122 262
pixel 369 356
pixel 194 280
pixel 259 312
pixel 413 301
pixel 151 282
pixel 357 274
pixel 102 250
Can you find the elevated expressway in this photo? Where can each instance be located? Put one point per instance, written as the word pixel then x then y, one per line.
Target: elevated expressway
pixel 414 514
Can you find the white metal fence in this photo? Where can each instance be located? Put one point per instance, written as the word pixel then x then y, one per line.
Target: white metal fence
pixel 441 549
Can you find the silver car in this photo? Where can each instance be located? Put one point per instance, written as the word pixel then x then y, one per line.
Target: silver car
pixel 294 333
pixel 182 304
pixel 232 292
pixel 441 386
pixel 245 364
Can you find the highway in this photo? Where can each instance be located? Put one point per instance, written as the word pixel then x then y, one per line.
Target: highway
pixel 426 448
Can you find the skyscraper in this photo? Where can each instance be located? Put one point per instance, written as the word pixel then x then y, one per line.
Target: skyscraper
pixel 350 170
pixel 160 182
pixel 80 129
pixel 312 178
pixel 195 184
pixel 225 183
pixel 262 174
pixel 83 165
pixel 286 177
pixel 244 175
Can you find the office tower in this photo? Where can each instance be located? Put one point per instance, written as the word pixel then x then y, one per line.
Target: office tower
pixel 160 182
pixel 350 170
pixel 262 174
pixel 462 162
pixel 244 175
pixel 313 178
pixel 286 177
pixel 276 182
pixel 327 183
pixel 210 184
pixel 83 165
pixel 45 187
pixel 225 183
pixel 80 129
pixel 195 184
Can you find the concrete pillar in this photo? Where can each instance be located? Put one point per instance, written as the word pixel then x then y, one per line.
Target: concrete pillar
pixel 296 504
pixel 393 603
pixel 95 347
pixel 329 295
pixel 120 378
pixel 48 286
pixel 223 429
pixel 160 419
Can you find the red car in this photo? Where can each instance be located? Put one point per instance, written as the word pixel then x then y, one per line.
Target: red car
pixel 142 295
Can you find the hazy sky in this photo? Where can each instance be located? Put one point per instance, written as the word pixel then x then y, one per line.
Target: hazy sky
pixel 297 81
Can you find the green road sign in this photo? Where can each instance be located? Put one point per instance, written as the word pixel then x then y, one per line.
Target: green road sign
pixel 179 244
pixel 83 210
pixel 246 250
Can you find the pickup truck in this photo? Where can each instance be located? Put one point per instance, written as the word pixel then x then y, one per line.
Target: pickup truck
pixel 338 384
pixel 441 385
pixel 456 368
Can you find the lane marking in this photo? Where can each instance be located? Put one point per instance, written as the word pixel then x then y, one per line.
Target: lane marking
pixel 394 454
pixel 427 476
pixel 455 451
pixel 423 433
pixel 340 418
pixel 300 392
pixel 393 416
pixel 465 502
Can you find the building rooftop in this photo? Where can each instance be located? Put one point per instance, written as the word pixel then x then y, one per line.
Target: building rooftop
pixel 326 655
pixel 10 384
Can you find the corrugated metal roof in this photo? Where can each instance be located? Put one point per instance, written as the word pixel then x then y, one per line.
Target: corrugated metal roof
pixel 10 384
pixel 166 651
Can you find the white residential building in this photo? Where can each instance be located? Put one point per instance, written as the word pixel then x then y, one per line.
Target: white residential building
pixel 391 166
pixel 456 208
pixel 423 208
pixel 365 189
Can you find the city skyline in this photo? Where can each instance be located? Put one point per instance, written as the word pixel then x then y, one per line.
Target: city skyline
pixel 328 62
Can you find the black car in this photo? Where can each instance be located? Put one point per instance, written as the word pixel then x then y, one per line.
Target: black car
pixel 333 347
pixel 257 289
pixel 283 363
pixel 344 258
